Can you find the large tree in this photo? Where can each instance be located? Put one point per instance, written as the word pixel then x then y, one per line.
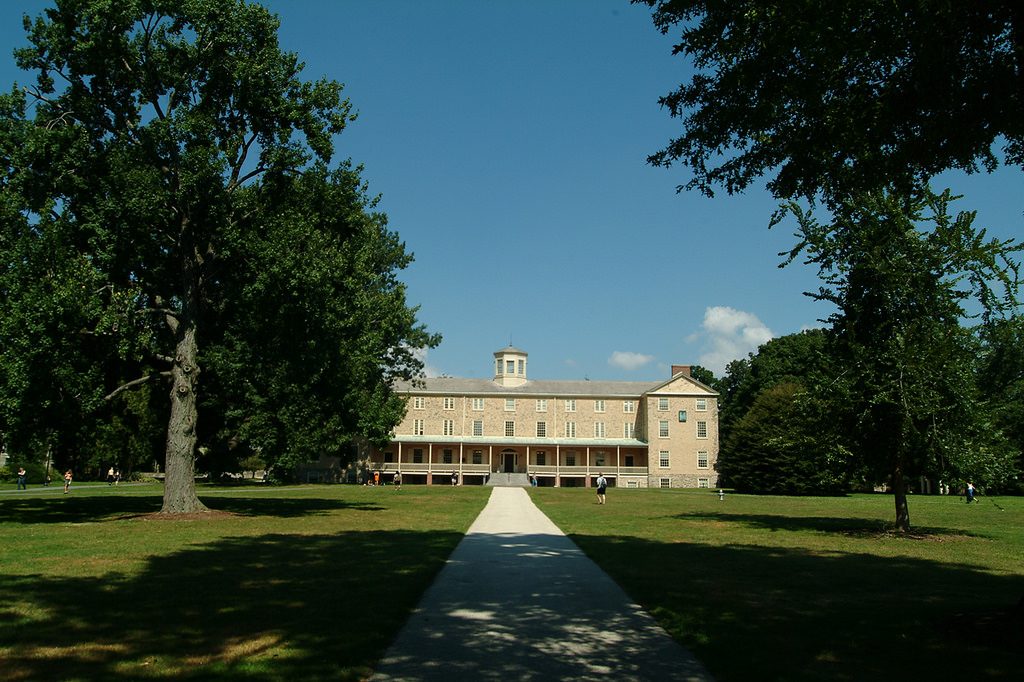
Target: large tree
pixel 837 96
pixel 900 271
pixel 173 169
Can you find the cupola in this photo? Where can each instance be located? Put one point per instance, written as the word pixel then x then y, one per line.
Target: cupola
pixel 510 367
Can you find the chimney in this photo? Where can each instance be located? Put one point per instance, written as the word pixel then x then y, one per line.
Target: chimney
pixel 681 369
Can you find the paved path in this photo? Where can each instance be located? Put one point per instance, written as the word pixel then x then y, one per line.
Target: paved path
pixel 518 600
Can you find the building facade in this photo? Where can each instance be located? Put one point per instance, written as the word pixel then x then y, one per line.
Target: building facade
pixel 563 433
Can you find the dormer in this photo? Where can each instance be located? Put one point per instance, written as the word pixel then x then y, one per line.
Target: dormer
pixel 510 367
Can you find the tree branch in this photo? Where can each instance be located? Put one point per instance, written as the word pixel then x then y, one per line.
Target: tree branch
pixel 133 383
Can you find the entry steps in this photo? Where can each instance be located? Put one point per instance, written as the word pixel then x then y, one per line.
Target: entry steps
pixel 506 480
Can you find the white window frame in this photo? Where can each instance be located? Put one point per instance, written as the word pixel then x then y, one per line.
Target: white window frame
pixel 599 430
pixel 662 404
pixel 449 403
pixel 629 406
pixel 628 430
pixel 703 483
pixel 478 427
pixel 664 461
pixel 478 404
pixel 542 429
pixel 510 428
pixel 417 402
pixel 632 484
pixel 663 428
pixel 570 429
pixel 702 430
pixel 598 406
pixel 664 483
pixel 542 405
pixel 449 427
pixel 570 404
pixel 417 427
pixel 702 459
pixel 510 404
pixel 702 405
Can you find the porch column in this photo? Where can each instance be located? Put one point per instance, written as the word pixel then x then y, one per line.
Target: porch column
pixel 588 466
pixel 430 464
pixel 558 467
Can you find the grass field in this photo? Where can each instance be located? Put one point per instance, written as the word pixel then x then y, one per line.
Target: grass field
pixel 773 588
pixel 304 583
pixel 312 582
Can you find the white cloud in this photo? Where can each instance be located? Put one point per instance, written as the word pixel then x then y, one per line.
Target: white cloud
pixel 628 360
pixel 428 369
pixel 730 334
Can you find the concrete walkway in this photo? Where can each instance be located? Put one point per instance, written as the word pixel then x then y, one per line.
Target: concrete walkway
pixel 518 600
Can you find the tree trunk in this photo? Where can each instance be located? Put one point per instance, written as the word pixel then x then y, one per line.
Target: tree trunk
pixel 180 469
pixel 899 490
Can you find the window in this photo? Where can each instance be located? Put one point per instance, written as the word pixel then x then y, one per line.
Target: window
pixel 702 404
pixel 542 405
pixel 598 429
pixel 417 427
pixel 417 456
pixel 522 367
pixel 570 459
pixel 702 429
pixel 389 457
pixel 478 404
pixel 498 370
pixel 663 428
pixel 449 403
pixel 702 483
pixel 665 482
pixel 629 460
pixel 599 458
pixel 478 427
pixel 570 405
pixel 598 406
pixel 542 429
pixel 449 427
pixel 662 404
pixel 478 457
pixel 446 456
pixel 510 404
pixel 628 406
pixel 702 460
pixel 542 458
pixel 663 459
pixel 570 429
pixel 629 430
pixel 510 367
pixel 632 484
pixel 510 428
pixel 417 403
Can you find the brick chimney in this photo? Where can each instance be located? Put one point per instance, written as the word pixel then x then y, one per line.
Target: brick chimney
pixel 681 369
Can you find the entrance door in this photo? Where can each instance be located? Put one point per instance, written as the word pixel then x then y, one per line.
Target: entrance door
pixel 510 462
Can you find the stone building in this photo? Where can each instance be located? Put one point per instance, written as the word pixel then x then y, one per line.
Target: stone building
pixel 563 433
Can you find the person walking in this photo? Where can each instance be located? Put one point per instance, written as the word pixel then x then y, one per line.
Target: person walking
pixel 602 486
pixel 21 479
pixel 398 480
pixel 110 476
pixel 67 481
pixel 970 492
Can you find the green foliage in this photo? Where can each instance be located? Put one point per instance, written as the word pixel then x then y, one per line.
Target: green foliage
pixel 171 218
pixel 838 97
pixel 900 292
pixel 786 444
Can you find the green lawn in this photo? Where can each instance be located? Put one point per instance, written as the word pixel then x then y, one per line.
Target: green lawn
pixel 313 582
pixel 775 588
pixel 301 583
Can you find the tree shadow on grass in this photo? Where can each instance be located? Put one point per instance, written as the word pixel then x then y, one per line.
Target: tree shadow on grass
pixel 851 526
pixel 776 613
pixel 277 607
pixel 98 508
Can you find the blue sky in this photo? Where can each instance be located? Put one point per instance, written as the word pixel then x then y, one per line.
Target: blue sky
pixel 508 141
